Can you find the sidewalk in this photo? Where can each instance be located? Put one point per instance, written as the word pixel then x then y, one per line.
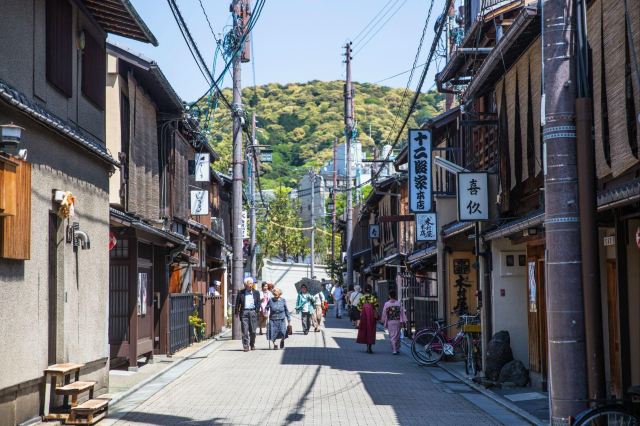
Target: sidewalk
pixel 123 382
pixel 527 403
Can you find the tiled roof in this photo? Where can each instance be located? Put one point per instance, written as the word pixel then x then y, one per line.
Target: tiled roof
pixel 29 107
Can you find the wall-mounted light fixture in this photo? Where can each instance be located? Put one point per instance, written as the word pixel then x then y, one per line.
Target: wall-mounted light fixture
pixel 10 137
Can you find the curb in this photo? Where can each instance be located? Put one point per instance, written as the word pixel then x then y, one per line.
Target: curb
pixel 496 398
pixel 120 396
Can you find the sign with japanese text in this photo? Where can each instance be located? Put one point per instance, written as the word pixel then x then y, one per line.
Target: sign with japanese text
pixel 202 170
pixel 199 203
pixel 419 154
pixel 245 225
pixel 374 231
pixel 473 196
pixel 426 227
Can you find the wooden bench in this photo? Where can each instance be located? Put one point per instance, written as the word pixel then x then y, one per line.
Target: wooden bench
pixel 75 389
pixel 89 412
pixel 56 376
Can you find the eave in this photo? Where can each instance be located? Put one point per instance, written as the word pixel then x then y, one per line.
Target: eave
pixel 119 17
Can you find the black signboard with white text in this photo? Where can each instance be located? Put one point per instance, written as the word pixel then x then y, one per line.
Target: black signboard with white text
pixel 419 155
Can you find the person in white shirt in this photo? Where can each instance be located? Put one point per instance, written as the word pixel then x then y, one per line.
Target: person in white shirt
pixel 316 318
pixel 338 298
pixel 354 298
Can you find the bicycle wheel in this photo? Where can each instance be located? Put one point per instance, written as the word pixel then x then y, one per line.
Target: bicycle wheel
pixel 471 364
pixel 427 348
pixel 610 415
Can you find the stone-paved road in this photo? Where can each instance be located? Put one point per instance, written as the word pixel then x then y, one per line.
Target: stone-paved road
pixel 320 379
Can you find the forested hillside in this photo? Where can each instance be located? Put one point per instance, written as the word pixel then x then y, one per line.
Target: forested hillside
pixel 300 121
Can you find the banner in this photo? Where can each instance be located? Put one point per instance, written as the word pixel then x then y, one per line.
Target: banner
pixel 419 157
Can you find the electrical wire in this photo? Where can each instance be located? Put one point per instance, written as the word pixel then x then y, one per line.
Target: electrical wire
pixel 372 20
pixel 213 33
pixel 365 43
pixel 400 73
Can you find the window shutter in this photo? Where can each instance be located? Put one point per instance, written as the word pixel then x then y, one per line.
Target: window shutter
pixel 15 239
pixel 94 71
pixel 59 45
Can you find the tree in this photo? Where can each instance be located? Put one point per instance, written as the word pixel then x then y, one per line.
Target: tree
pixel 279 232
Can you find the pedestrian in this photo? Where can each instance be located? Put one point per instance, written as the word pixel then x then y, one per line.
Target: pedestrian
pixel 393 318
pixel 354 299
pixel 265 296
pixel 279 317
pixel 326 293
pixel 337 294
pixel 305 307
pixel 316 318
pixel 247 308
pixel 368 307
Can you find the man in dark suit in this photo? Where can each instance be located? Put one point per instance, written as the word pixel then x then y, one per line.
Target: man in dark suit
pixel 247 307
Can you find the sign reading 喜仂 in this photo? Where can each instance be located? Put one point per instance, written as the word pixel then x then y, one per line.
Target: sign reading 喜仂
pixel 473 196
pixel 419 154
pixel 426 227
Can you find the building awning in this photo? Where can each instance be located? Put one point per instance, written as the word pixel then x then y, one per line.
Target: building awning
pixel 455 228
pixel 129 220
pixel 515 226
pixel 361 253
pixel 389 260
pixel 121 18
pixel 422 255
pixel 627 193
pixel 521 33
pixel 36 112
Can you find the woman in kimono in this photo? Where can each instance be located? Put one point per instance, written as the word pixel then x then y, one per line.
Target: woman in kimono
pixel 368 307
pixel 279 317
pixel 265 296
pixel 393 317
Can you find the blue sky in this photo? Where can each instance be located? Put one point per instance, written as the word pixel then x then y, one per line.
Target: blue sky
pixel 294 40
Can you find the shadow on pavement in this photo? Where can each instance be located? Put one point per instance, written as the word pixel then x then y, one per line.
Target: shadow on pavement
pixel 167 419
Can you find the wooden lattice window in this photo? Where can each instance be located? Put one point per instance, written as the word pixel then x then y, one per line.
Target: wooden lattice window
pixel 15 218
pixel 59 45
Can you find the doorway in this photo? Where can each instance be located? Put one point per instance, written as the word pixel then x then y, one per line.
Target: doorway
pixel 537 313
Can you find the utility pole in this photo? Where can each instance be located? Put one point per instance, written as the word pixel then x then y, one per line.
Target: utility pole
pixel 348 131
pixel 312 177
pixel 252 190
pixel 334 192
pixel 565 303
pixel 240 9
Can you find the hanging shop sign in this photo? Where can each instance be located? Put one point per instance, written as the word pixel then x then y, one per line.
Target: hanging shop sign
pixel 426 227
pixel 245 225
pixel 199 203
pixel 419 153
pixel 473 196
pixel 374 231
pixel 202 169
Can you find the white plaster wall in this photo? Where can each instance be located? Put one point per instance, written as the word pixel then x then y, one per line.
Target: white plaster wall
pixel 285 275
pixel 509 312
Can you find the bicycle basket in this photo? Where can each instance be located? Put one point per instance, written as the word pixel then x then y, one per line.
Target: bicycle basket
pixel 471 328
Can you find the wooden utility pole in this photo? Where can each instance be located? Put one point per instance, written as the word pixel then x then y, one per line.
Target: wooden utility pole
pixel 252 201
pixel 565 303
pixel 348 131
pixel 239 8
pixel 334 192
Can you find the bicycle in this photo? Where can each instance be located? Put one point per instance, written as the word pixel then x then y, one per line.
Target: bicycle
pixel 611 413
pixel 431 344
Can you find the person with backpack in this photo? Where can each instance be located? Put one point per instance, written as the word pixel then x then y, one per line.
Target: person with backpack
pixel 354 299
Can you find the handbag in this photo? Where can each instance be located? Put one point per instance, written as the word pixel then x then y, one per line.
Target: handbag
pixel 289 330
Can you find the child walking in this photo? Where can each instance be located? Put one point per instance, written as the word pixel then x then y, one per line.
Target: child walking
pixel 393 318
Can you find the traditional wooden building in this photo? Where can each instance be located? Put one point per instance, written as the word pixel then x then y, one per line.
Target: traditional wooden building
pixel 54 263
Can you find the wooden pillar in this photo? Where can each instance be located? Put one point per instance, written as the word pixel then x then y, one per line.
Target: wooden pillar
pixel 133 301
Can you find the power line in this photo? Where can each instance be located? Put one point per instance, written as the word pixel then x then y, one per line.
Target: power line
pixel 400 73
pixel 213 33
pixel 372 20
pixel 362 46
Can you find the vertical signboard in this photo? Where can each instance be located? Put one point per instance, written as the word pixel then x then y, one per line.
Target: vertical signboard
pixel 419 156
pixel 202 169
pixel 245 225
pixel 473 197
pixel 199 203
pixel 426 227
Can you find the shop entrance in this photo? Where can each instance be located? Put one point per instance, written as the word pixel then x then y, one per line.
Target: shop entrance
pixel 537 314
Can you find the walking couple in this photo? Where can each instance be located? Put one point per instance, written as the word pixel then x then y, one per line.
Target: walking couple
pixel 310 307
pixel 249 306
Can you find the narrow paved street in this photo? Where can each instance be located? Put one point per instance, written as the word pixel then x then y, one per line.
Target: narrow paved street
pixel 322 378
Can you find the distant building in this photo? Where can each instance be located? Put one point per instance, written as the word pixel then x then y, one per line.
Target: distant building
pixel 360 171
pixel 303 194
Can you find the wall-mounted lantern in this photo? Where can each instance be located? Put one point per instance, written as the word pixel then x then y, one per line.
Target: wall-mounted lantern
pixel 10 137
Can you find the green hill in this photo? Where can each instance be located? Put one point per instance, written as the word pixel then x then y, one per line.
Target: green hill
pixel 300 121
